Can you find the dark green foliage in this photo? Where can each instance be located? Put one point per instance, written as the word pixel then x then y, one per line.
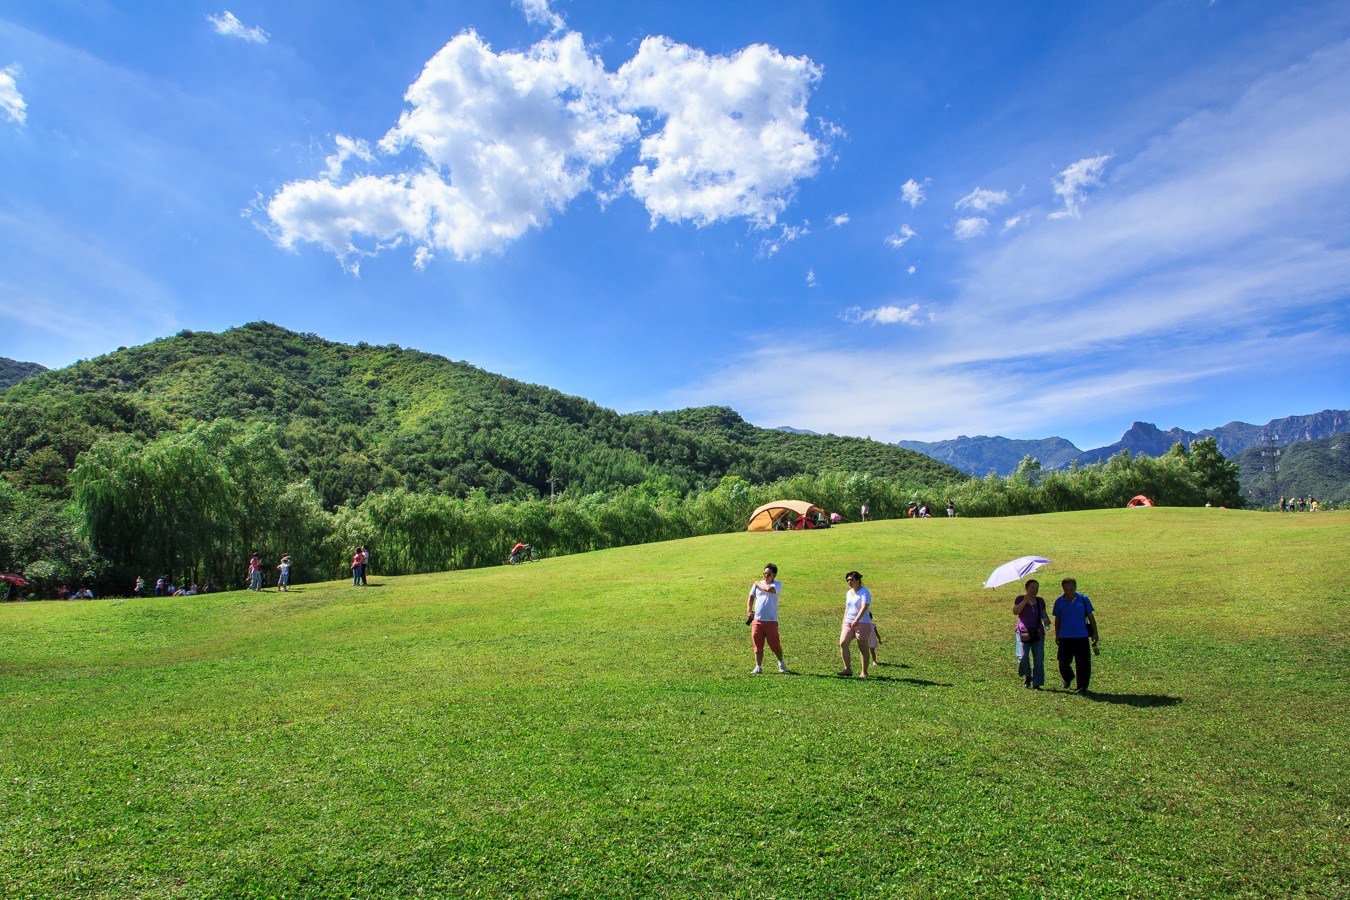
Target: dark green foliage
pixel 12 371
pixel 1319 469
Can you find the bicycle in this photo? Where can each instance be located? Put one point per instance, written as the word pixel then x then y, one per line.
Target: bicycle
pixel 526 554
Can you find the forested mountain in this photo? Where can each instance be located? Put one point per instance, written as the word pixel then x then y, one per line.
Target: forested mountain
pixel 12 371
pixel 359 419
pixel 1319 469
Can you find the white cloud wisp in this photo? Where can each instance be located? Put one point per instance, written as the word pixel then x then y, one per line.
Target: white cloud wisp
pixel 11 101
pixel 228 24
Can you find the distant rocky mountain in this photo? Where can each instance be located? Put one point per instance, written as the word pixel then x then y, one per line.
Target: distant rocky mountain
pixel 1232 438
pixel 982 455
pixel 12 371
pixel 790 430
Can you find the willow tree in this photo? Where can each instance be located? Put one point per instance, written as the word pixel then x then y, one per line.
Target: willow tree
pixel 154 507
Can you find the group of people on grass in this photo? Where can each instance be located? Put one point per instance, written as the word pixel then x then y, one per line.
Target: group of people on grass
pixel 1071 618
pixel 255 572
pixel 164 587
pixel 762 617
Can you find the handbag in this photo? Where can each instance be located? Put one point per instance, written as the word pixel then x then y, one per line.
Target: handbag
pixel 1031 637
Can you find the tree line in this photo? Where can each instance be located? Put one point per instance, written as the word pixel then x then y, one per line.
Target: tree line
pixel 194 505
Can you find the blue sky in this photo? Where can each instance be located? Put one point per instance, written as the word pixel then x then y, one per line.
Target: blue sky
pixel 900 220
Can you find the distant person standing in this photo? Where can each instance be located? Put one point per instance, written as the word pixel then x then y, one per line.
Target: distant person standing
pixel 951 510
pixel 1032 620
pixel 762 617
pixel 857 624
pixel 365 563
pixel 255 572
pixel 139 589
pixel 1075 635
pixel 357 572
pixel 865 511
pixel 284 573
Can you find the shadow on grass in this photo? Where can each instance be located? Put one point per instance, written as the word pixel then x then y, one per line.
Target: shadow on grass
pixel 918 682
pixel 1142 701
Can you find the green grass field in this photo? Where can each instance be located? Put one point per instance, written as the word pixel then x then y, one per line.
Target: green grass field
pixel 587 726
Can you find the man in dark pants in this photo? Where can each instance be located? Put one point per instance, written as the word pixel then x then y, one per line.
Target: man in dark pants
pixel 1075 635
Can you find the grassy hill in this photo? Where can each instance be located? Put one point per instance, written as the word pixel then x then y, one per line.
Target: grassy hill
pixel 359 419
pixel 585 726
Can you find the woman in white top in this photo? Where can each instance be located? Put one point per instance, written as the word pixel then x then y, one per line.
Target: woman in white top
pixel 857 623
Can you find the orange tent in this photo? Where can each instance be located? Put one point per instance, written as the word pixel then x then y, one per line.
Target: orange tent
pixel 1138 500
pixel 763 519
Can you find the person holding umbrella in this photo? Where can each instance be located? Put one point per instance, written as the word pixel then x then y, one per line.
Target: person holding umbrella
pixel 1032 619
pixel 1075 629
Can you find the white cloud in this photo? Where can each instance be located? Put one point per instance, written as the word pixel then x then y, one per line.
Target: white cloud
pixel 972 227
pixel 884 315
pixel 503 141
pixel 1013 221
pixel 734 142
pixel 901 237
pixel 1074 181
pixel 912 193
pixel 982 200
pixel 839 220
pixel 811 278
pixel 229 25
pixel 11 101
pixel 912 269
pixel 539 12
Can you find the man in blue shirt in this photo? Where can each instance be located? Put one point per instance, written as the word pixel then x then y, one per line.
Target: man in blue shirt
pixel 1075 630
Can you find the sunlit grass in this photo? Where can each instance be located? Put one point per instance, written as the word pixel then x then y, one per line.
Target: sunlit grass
pixel 586 726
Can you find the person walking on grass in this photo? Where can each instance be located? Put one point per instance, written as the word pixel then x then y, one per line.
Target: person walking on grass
pixel 762 617
pixel 255 572
pixel 1032 619
pixel 1075 636
pixel 857 624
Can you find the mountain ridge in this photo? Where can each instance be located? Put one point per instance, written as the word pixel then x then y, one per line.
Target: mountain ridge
pixel 983 454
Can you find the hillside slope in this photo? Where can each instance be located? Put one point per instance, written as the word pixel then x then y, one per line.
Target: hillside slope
pixel 358 419
pixel 1319 469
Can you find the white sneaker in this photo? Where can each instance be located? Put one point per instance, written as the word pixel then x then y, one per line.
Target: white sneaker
pixel 756 671
pixel 782 667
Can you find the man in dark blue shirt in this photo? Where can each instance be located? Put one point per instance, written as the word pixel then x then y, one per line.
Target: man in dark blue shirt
pixel 1075 630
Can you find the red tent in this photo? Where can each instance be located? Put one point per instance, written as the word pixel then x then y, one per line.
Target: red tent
pixel 1138 500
